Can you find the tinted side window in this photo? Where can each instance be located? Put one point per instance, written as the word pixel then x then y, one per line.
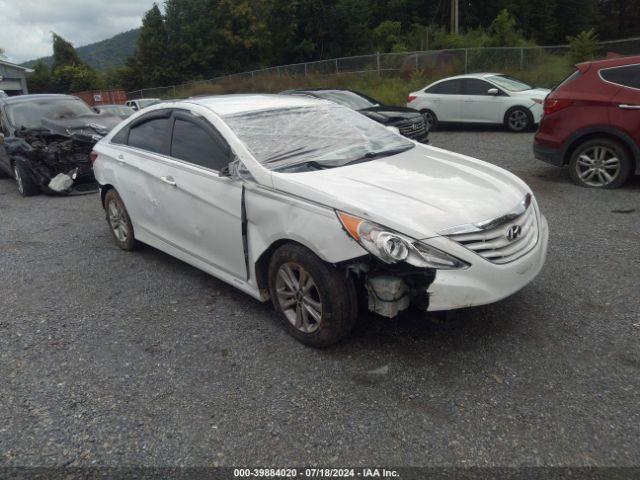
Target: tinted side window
pixel 626 76
pixel 193 144
pixel 473 86
pixel 150 135
pixel 121 136
pixel 450 87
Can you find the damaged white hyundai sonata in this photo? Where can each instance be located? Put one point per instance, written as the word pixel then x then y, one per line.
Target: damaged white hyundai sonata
pixel 313 205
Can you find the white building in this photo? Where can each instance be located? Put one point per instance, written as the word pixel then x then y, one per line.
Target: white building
pixel 13 78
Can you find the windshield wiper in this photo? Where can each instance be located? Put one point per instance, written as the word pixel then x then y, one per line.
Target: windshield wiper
pixel 309 163
pixel 378 154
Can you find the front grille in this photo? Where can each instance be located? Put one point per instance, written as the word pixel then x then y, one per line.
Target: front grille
pixel 413 129
pixel 495 243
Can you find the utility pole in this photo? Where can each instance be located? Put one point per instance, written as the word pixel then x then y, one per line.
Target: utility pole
pixel 455 16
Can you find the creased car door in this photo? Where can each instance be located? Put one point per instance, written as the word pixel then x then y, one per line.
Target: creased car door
pixel 139 166
pixel 202 208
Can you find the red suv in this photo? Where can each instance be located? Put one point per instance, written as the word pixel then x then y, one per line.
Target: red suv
pixel 591 122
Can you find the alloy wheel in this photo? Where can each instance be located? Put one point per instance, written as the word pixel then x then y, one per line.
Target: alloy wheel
pixel 518 120
pixel 18 177
pixel 117 221
pixel 598 166
pixel 299 297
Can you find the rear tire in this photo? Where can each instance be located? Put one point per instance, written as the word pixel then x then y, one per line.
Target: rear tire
pixel 430 119
pixel 600 163
pixel 518 119
pixel 119 221
pixel 316 302
pixel 27 187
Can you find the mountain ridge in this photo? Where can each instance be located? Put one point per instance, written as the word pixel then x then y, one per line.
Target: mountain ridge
pixel 102 55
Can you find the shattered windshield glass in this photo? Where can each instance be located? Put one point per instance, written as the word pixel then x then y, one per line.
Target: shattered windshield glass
pixel 313 137
pixel 30 114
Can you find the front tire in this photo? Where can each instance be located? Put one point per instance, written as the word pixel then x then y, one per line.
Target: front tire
pixel 430 119
pixel 119 221
pixel 24 181
pixel 600 163
pixel 316 302
pixel 518 119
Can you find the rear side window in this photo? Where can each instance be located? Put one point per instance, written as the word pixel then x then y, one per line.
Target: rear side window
pixel 192 143
pixel 121 136
pixel 449 87
pixel 150 135
pixel 628 76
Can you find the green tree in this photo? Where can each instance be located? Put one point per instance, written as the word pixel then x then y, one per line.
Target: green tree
pixel 583 46
pixel 76 78
pixel 40 80
pixel 2 52
pixel 149 64
pixel 387 35
pixel 64 54
pixel 504 32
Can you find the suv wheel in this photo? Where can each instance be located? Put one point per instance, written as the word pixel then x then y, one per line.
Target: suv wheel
pixel 600 163
pixel 518 119
pixel 316 301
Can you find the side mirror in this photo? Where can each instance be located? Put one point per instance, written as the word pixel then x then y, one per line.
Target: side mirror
pixel 492 91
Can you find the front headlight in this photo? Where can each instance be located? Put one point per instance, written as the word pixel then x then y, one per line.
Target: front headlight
pixel 393 247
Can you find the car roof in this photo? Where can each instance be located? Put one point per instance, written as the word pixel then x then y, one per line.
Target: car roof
pixel 609 62
pixel 244 103
pixel 471 75
pixel 27 98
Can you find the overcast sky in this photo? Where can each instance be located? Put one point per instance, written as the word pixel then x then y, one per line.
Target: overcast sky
pixel 26 25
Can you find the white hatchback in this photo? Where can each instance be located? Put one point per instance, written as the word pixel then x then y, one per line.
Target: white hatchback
pixel 312 205
pixel 480 98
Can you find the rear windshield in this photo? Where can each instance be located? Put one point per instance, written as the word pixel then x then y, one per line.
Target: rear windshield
pixel 29 114
pixel 325 136
pixel 348 99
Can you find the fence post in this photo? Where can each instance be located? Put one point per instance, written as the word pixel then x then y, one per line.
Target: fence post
pixel 521 58
pixel 378 62
pixel 337 71
pixel 174 91
pixel 305 69
pixel 466 60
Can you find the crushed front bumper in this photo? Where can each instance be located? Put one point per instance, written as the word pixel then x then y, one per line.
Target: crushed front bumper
pixel 485 282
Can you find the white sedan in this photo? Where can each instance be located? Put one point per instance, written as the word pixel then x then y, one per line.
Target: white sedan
pixel 311 204
pixel 480 98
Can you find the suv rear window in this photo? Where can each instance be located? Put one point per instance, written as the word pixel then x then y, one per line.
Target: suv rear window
pixel 628 76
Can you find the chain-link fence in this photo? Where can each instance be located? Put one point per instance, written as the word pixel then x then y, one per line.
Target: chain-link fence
pixel 430 63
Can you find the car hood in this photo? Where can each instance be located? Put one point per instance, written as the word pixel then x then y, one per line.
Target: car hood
pixel 419 192
pixel 100 124
pixel 389 114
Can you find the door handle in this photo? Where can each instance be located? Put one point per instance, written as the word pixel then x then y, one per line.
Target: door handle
pixel 629 107
pixel 168 181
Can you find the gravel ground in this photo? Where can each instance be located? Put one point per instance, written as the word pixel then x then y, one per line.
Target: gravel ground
pixel 123 359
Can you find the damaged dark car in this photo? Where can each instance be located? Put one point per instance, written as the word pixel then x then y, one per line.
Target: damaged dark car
pixel 46 143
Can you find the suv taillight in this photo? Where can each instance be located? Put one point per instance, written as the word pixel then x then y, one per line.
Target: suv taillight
pixel 93 156
pixel 411 98
pixel 552 105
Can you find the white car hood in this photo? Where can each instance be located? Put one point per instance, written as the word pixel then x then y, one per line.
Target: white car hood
pixel 419 192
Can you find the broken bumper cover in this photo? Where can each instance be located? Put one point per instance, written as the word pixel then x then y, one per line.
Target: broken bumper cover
pixel 486 282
